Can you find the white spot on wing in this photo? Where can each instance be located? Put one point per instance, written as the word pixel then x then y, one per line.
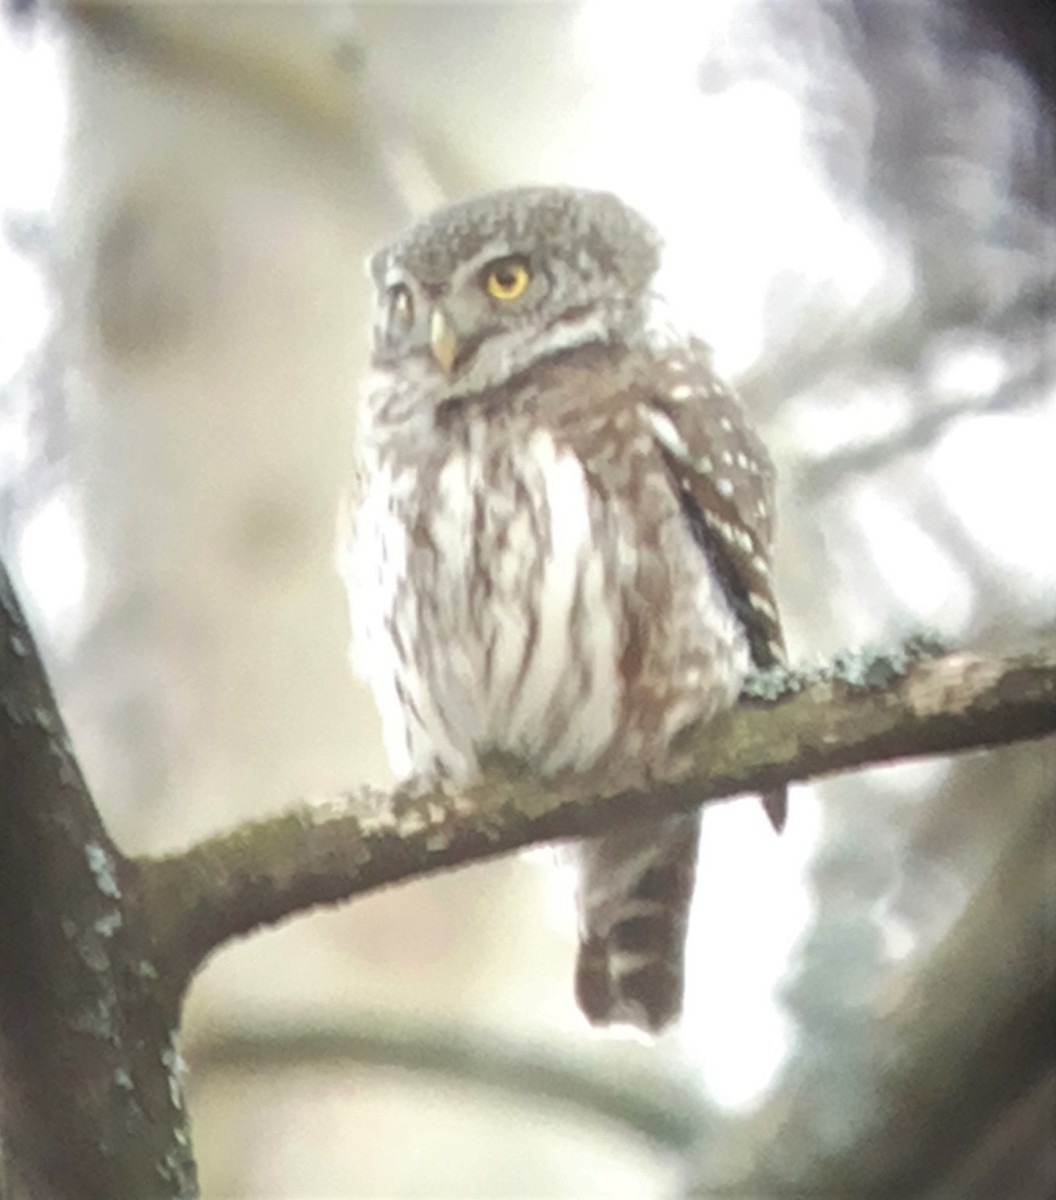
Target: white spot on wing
pixel 666 432
pixel 761 604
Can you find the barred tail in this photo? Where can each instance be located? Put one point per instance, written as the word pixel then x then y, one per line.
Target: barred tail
pixel 634 896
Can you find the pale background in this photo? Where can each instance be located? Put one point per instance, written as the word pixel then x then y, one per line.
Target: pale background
pixel 857 209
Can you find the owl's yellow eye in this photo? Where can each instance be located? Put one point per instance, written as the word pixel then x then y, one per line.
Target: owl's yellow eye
pixel 507 278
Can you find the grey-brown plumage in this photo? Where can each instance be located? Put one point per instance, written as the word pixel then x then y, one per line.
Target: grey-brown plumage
pixel 563 545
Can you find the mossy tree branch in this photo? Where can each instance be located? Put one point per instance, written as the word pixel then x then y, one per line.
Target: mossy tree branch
pixel 861 711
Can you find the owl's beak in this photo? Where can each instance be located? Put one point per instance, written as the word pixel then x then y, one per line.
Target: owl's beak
pixel 443 341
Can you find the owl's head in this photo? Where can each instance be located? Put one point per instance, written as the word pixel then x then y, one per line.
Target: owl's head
pixel 477 292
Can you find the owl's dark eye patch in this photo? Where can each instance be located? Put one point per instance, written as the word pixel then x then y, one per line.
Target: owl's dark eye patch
pixel 400 309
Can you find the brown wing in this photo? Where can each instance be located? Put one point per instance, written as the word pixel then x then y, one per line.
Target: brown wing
pixel 725 481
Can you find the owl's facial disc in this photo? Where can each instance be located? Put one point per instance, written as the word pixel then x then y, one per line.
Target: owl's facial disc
pixel 504 281
pixel 446 320
pixel 476 293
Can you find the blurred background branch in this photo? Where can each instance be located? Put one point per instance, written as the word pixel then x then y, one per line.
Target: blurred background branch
pixel 962 1045
pixel 647 1103
pixel 921 431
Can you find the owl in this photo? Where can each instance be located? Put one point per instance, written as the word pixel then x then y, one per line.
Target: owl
pixel 562 549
